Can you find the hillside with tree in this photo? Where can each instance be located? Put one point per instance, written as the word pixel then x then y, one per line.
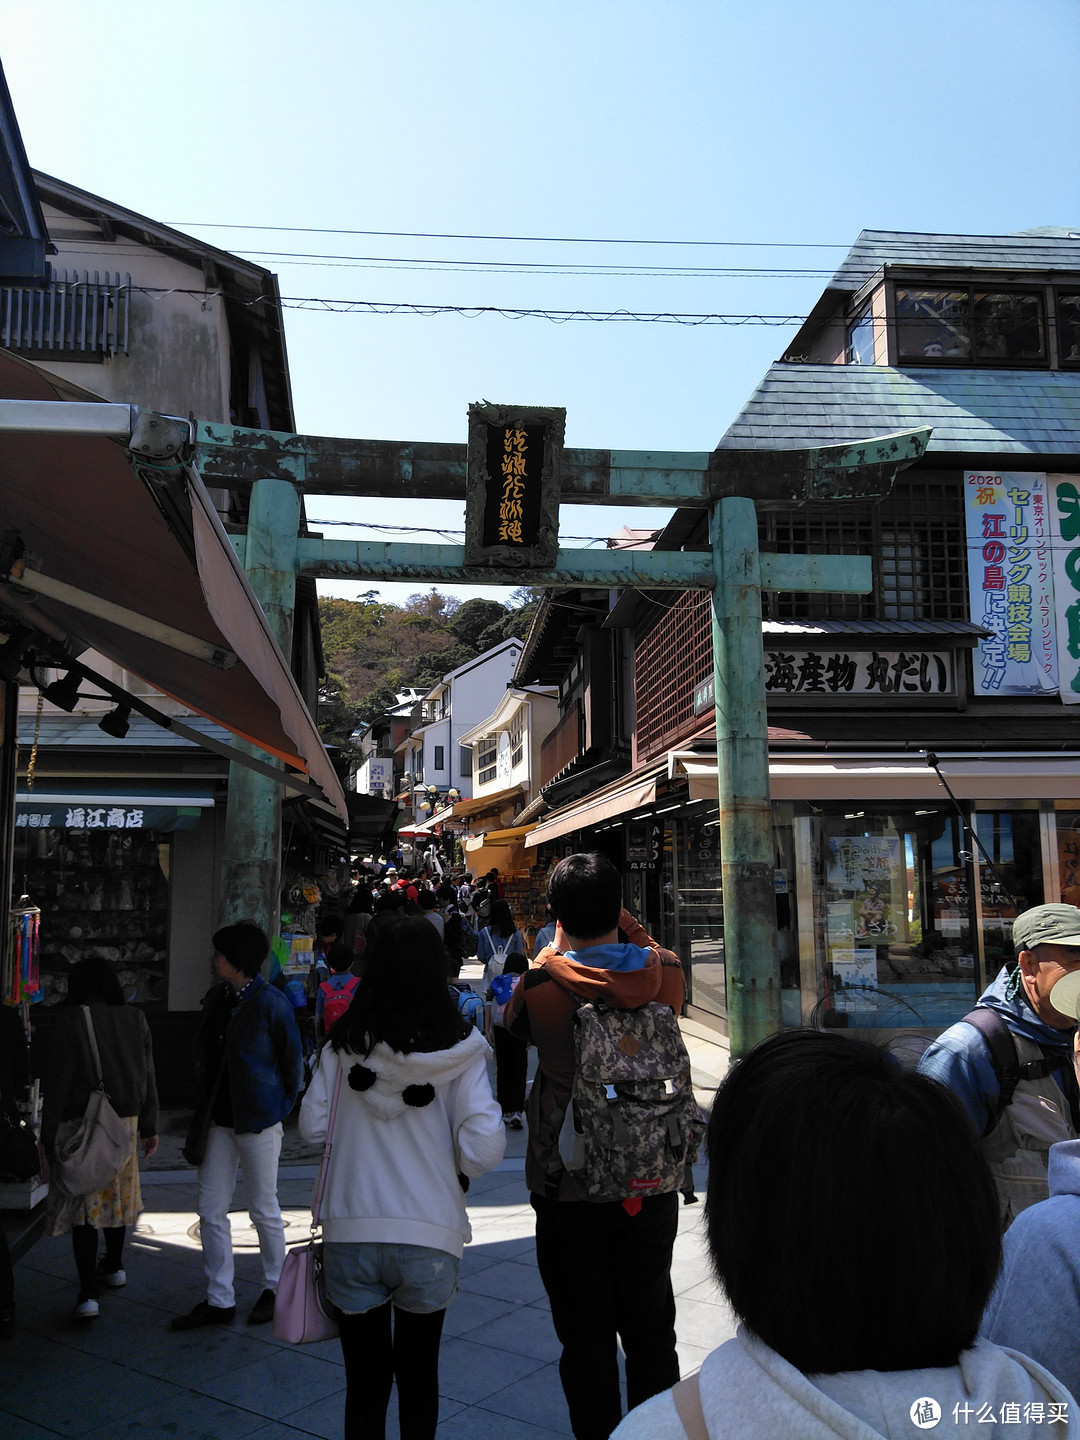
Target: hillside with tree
pixel 373 649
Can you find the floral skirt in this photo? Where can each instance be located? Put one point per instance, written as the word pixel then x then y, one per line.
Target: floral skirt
pixel 117 1204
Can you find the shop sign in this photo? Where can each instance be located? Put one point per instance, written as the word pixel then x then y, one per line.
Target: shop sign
pixel 1065 550
pixel 642 845
pixel 62 816
pixel 704 695
pixel 859 672
pixel 512 486
pixel 379 776
pixel 1010 583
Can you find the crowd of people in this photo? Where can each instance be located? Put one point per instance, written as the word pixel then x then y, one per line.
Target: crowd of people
pixel 856 1201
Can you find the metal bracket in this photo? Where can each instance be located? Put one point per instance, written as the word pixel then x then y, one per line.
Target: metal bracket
pixel 161 437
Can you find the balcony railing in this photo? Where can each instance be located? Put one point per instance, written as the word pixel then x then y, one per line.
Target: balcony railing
pixel 75 316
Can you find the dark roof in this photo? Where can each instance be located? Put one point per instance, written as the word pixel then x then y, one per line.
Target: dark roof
pixel 1018 412
pixel 1048 248
pixel 953 631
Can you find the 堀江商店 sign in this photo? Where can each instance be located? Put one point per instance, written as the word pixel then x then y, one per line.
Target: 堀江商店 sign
pixel 1023 546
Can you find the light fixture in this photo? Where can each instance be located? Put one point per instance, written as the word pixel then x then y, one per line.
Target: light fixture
pixel 453 794
pixel 64 693
pixel 115 723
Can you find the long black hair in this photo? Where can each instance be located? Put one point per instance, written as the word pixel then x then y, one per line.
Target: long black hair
pixel 502 919
pixel 403 998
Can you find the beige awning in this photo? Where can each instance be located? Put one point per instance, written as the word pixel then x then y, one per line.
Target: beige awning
pixel 595 808
pixel 138 567
pixel 497 800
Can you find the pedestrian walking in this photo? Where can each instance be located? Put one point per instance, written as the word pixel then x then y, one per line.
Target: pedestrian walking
pixel 97 1039
pixel 415 1120
pixel 498 942
pixel 249 1066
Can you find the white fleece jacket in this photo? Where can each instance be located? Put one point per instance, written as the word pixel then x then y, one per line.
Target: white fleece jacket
pixel 393 1168
pixel 749 1393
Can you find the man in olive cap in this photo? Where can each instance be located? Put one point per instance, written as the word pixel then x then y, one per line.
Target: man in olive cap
pixel 1010 1060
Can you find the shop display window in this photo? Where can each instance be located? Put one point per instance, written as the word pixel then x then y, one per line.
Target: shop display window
pixel 101 892
pixel 895 918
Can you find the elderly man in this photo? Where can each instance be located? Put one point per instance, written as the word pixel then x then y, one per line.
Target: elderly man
pixel 1010 1060
pixel 249 1066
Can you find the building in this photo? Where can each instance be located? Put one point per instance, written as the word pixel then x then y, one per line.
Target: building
pixel 121 822
pixel 925 761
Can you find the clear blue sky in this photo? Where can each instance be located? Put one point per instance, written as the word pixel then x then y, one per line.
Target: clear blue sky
pixel 720 120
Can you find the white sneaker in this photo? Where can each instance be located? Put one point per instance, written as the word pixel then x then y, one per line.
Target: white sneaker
pixel 87 1310
pixel 114 1279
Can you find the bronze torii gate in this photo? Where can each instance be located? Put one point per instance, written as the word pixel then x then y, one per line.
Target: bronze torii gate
pixel 732 484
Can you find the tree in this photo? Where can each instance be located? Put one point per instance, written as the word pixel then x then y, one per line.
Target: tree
pixel 473 618
pixel 338 717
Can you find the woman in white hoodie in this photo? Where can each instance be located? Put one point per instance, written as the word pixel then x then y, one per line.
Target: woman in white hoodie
pixel 415 1119
pixel 853 1224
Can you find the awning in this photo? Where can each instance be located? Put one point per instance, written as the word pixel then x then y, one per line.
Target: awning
pixel 906 778
pixel 495 801
pixel 112 807
pixel 136 563
pixel 498 837
pixel 591 811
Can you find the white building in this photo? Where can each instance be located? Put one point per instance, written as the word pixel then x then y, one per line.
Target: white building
pixel 453 708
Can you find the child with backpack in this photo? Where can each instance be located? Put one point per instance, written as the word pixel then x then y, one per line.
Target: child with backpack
pixel 500 947
pixel 334 995
pixel 469 1003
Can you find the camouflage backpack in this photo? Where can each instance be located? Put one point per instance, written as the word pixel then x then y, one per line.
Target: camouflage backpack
pixel 632 1121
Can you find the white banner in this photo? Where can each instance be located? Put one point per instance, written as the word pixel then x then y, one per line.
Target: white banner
pixel 1010 582
pixel 1065 549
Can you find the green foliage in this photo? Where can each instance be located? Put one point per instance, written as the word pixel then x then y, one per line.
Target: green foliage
pixel 374 650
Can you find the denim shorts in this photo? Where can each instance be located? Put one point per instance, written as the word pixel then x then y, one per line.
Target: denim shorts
pixel 362 1275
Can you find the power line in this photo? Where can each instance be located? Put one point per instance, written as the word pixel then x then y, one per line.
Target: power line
pixel 525 239
pixel 472 312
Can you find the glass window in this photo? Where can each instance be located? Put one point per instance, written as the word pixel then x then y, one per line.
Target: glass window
pixel 860 339
pixel 486 756
pixel 517 737
pixel 892 918
pixel 1068 309
pixel 440 757
pixel 932 325
pixel 1009 326
pixel 465 751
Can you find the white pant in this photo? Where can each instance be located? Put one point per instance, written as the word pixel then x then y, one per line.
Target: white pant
pixel 258 1155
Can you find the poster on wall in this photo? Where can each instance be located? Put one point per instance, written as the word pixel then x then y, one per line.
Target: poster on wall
pixel 855 968
pixel 869 868
pixel 1064 512
pixel 1011 586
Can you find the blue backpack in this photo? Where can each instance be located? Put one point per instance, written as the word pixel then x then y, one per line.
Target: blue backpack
pixel 470 1005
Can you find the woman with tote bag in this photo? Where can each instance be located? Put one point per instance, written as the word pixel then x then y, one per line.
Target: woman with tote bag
pixel 415 1118
pixel 98 1041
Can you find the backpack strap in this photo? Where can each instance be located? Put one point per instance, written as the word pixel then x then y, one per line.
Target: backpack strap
pixel 687 1397
pixel 1010 1071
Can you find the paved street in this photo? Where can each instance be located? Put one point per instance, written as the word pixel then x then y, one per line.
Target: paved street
pixel 126 1374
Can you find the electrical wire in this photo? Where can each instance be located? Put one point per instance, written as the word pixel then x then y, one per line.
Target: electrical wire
pixel 404 307
pixel 447 534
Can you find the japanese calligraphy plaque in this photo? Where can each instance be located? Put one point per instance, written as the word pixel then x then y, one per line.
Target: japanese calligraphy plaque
pixel 512 491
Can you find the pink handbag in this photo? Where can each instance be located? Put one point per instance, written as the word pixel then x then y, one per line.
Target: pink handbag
pixel 302 1313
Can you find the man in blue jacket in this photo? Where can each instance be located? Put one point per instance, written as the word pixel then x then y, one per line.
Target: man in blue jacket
pixel 249 1066
pixel 1044 1106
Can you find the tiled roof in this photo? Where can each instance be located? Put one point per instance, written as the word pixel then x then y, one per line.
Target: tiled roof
pixel 1017 412
pixel 1046 249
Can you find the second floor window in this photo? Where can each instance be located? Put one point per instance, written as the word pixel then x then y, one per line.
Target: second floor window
pixel 486 755
pixel 439 763
pixel 964 324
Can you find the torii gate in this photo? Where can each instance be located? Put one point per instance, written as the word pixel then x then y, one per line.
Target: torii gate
pixel 731 484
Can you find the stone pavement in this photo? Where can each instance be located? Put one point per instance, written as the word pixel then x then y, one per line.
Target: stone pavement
pixel 126 1374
